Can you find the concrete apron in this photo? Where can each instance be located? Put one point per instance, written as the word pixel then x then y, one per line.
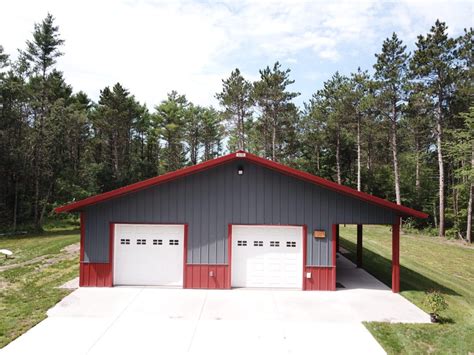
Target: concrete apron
pixel 146 320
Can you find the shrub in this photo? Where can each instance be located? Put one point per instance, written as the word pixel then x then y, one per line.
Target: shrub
pixel 436 303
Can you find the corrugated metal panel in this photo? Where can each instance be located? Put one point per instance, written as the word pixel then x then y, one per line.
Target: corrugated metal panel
pixel 208 201
pixel 198 276
pixel 95 275
pixel 322 279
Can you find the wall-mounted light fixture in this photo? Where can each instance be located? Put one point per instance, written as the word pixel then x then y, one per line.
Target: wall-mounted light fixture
pixel 240 170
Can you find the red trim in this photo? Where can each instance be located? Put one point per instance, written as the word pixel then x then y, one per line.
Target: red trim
pixel 229 254
pixel 83 235
pixel 335 237
pixel 305 249
pixel 396 258
pixel 185 253
pixel 111 251
pixel 334 243
pixel 401 210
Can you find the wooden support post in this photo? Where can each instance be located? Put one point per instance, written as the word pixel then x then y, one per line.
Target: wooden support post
pixel 337 237
pixel 359 245
pixel 396 258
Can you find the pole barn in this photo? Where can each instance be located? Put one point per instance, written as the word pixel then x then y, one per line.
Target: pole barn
pixel 234 221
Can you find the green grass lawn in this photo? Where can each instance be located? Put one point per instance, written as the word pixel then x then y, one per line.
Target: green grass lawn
pixel 28 282
pixel 426 263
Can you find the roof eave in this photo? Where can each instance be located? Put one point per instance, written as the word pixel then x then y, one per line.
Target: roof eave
pixel 400 210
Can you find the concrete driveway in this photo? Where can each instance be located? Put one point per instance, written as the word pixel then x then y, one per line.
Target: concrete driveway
pixel 144 320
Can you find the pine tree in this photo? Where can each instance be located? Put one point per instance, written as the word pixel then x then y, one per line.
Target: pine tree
pixel 313 135
pixel 39 58
pixel 115 120
pixel 416 120
pixel 193 126
pixel 236 99
pixel 390 71
pixel 363 102
pixel 212 133
pixel 169 121
pixel 274 101
pixel 460 148
pixel 433 64
pixel 332 109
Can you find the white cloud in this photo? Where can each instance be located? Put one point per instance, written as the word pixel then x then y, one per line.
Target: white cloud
pixel 154 47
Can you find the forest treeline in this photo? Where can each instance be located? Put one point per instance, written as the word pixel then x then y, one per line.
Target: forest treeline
pixel 403 131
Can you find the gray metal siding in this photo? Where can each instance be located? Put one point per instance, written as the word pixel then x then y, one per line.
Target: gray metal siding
pixel 208 201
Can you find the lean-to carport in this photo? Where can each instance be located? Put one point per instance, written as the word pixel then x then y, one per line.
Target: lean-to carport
pixel 395 251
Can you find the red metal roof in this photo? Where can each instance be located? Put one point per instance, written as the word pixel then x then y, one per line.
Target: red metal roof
pixel 399 209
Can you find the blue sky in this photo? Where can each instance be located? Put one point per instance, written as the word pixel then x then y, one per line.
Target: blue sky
pixel 153 47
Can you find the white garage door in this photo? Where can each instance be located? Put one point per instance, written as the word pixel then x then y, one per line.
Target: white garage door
pixel 267 256
pixel 147 254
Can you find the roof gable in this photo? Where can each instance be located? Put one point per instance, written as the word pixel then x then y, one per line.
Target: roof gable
pixel 398 209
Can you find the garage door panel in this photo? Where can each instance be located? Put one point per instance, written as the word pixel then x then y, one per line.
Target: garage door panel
pixel 267 256
pixel 148 254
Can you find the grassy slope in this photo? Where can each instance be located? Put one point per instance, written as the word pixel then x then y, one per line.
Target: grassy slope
pixel 426 262
pixel 28 291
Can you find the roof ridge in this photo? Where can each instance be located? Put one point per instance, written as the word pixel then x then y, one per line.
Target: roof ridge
pixel 241 154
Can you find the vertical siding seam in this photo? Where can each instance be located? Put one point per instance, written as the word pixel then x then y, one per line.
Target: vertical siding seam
pixel 279 203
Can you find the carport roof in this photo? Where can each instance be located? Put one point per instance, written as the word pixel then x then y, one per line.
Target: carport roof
pixel 241 155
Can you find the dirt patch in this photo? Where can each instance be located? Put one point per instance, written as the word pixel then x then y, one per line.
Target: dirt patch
pixel 66 253
pixel 69 252
pixel 72 249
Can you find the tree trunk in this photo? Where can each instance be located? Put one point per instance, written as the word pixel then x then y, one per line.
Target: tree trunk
pixel 439 139
pixel 242 131
pixel 273 141
pixel 15 205
pixel 469 215
pixel 396 174
pixel 417 166
pixel 369 154
pixel 45 204
pixel 194 151
pixel 318 164
pixel 455 201
pixel 116 156
pixel 338 156
pixel 358 155
pixel 36 207
pixel 469 204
